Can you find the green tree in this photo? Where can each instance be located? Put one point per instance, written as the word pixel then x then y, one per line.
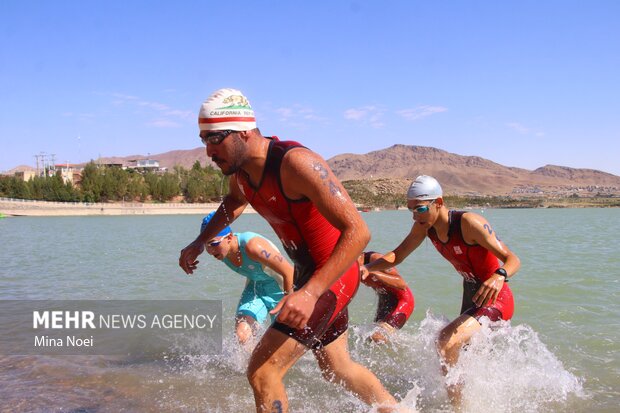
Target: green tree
pixel 201 184
pixel 92 183
pixel 13 187
pixel 53 188
pixel 150 179
pixel 115 184
pixel 21 189
pixel 217 183
pixel 168 187
pixel 196 188
pixel 35 188
pixel 136 187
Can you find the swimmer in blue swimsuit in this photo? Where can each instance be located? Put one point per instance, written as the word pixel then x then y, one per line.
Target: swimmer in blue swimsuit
pixel 269 275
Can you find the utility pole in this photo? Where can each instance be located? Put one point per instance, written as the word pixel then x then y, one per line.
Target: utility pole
pixel 44 163
pixel 37 158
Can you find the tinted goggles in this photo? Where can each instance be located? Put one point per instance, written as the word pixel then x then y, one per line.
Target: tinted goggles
pixel 422 208
pixel 215 138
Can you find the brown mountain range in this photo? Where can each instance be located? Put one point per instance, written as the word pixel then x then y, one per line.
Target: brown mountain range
pixel 472 175
pixel 397 165
pixel 181 157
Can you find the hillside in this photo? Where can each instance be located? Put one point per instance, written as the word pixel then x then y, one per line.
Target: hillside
pixel 471 175
pixel 184 158
pixel 20 168
pixel 393 168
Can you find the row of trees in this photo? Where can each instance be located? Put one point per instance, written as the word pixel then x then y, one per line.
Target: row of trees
pixel 105 184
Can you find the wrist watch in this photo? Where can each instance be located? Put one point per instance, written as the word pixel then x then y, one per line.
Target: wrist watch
pixel 503 273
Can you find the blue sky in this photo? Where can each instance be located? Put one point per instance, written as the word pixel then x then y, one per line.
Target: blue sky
pixel 522 83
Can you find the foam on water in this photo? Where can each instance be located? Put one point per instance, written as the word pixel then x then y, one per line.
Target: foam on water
pixel 505 368
pixel 518 372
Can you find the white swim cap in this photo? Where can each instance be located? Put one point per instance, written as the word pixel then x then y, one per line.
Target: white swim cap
pixel 424 188
pixel 226 109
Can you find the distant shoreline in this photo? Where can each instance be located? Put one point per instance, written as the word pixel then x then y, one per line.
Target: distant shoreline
pixel 14 207
pixel 30 208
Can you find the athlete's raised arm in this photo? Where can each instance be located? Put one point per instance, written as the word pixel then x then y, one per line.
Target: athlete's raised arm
pixel 231 207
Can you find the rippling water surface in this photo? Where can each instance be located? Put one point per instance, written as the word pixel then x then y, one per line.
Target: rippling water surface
pixel 560 352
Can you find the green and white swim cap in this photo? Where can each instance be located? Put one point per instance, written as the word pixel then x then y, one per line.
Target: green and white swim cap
pixel 424 188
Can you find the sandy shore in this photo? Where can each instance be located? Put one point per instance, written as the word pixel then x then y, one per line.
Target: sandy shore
pixel 14 207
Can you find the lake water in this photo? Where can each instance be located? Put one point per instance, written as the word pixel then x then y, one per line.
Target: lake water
pixel 560 352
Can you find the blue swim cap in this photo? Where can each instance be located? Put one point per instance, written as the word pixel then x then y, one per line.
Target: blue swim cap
pixel 206 220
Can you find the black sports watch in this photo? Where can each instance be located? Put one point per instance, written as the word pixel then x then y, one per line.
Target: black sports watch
pixel 503 273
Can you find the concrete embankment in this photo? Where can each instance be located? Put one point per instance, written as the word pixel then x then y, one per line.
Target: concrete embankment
pixel 16 207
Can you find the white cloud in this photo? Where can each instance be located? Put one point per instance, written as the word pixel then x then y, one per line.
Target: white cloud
pixel 78 115
pixel 167 117
pixel 420 112
pixel 524 130
pixel 367 115
pixel 284 113
pixel 518 127
pixel 154 105
pixel 163 123
pixel 297 114
pixel 355 114
pixel 359 113
pixel 123 97
pixel 182 114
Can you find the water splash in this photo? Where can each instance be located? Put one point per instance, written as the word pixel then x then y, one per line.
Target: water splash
pixel 508 368
pixel 505 368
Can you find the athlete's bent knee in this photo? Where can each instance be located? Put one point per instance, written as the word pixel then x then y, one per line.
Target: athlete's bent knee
pixel 262 375
pixel 260 379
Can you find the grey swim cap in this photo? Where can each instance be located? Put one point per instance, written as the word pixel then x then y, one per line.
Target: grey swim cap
pixel 424 188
